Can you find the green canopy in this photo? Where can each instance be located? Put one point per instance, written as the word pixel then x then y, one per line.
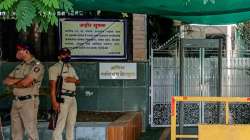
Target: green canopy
pixel 190 11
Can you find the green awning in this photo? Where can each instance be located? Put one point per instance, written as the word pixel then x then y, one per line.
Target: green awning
pixel 190 11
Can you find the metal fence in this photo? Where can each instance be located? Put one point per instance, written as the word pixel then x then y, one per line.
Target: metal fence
pixel 200 78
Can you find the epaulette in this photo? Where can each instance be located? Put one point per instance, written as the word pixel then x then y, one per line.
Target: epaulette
pixel 35 62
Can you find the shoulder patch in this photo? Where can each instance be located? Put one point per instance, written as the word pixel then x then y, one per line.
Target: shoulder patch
pixel 36 69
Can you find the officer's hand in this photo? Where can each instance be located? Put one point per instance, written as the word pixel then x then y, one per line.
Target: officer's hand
pixel 9 81
pixel 56 106
pixel 70 79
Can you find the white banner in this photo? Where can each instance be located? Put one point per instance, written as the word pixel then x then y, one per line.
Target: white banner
pixel 94 38
pixel 117 71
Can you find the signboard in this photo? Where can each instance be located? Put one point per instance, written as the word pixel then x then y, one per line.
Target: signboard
pixel 117 71
pixel 94 39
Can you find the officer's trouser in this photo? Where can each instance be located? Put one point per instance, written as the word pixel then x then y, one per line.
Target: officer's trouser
pixel 24 117
pixel 67 116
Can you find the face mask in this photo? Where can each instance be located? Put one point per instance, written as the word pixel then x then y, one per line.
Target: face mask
pixel 66 59
pixel 19 55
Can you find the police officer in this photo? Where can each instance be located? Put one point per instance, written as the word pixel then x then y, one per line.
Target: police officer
pixel 25 80
pixel 68 109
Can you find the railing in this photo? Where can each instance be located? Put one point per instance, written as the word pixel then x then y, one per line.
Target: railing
pixel 225 100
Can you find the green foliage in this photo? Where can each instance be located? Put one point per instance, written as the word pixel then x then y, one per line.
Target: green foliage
pixel 7 4
pixel 25 13
pixel 41 12
pixel 66 5
pixel 243 30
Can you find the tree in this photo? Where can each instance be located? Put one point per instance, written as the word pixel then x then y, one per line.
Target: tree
pixel 243 29
pixel 28 12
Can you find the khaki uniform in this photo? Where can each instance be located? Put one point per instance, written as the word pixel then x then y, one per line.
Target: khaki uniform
pixel 24 111
pixel 68 109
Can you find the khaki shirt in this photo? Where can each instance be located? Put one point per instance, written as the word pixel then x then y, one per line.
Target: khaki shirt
pixel 68 71
pixel 32 67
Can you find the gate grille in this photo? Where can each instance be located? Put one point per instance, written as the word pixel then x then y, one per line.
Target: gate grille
pixel 165 77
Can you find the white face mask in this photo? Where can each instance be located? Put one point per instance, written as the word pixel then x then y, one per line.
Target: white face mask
pixel 20 54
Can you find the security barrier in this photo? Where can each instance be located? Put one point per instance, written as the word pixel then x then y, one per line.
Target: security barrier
pixel 202 129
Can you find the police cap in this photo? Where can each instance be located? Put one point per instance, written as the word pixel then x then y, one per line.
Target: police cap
pixel 64 51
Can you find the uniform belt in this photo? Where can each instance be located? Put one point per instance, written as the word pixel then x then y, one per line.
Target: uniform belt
pixel 22 98
pixel 68 94
pixel 68 91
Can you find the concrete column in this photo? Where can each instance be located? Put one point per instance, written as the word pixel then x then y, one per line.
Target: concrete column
pixel 139 37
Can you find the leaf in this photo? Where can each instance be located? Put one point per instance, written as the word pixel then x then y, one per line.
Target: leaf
pixel 28 12
pixel 54 20
pixel 55 4
pixel 66 5
pixel 7 4
pixel 46 2
pixel 25 13
pixel 51 3
pixel 44 25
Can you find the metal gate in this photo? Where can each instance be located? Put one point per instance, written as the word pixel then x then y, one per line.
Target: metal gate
pixel 197 68
pixel 164 80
